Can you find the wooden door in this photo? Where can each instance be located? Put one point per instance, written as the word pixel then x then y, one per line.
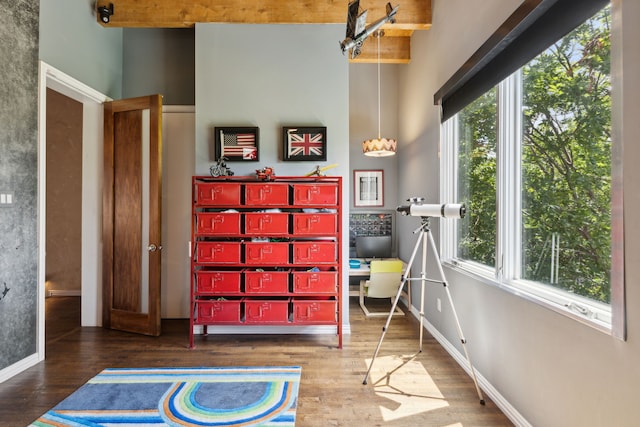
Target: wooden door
pixel 132 214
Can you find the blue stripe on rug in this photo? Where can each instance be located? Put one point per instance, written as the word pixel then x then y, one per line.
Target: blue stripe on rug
pixel 219 396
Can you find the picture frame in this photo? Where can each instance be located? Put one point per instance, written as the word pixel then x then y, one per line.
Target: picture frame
pixel 368 188
pixel 304 143
pixel 237 144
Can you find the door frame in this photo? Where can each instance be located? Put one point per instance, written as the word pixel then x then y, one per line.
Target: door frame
pixel 92 117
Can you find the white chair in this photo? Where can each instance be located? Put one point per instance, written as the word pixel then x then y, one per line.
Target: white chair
pixel 384 280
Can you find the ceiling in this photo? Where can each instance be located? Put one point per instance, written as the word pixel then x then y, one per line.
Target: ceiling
pixel 395 46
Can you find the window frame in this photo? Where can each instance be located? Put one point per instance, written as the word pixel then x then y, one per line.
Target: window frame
pixel 506 273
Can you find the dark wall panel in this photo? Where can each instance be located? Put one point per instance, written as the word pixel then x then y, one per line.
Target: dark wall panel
pixel 63 268
pixel 18 177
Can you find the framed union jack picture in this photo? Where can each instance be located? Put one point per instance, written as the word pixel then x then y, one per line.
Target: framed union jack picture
pixel 237 143
pixel 304 143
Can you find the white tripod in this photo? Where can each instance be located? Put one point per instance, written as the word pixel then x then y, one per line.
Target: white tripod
pixel 425 234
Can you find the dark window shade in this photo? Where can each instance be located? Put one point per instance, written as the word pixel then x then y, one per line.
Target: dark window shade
pixel 531 29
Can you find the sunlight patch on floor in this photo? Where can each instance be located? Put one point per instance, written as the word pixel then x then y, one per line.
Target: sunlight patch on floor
pixel 406 384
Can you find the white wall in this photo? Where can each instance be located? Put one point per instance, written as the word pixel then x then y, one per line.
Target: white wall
pixel 553 370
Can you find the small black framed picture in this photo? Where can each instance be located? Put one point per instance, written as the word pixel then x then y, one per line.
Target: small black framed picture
pixel 303 143
pixel 237 144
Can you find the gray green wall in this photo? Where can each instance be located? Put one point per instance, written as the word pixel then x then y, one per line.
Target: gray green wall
pixel 160 60
pixel 363 123
pixel 271 76
pixel 72 41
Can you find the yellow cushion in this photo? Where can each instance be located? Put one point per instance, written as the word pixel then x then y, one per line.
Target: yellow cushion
pixel 385 266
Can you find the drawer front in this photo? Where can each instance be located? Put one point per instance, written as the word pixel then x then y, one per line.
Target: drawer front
pixel 266 224
pixel 311 311
pixel 218 223
pixel 266 194
pixel 267 253
pixel 265 311
pixel 314 252
pixel 217 282
pixel 218 312
pixel 266 282
pixel 315 224
pixel 315 282
pixel 218 252
pixel 218 193
pixel 315 194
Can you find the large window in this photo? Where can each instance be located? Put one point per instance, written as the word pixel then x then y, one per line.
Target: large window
pixel 532 161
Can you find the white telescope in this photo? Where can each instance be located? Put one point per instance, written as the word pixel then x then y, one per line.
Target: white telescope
pixel 446 210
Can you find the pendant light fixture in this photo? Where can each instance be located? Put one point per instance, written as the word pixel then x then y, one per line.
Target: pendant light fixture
pixel 379 147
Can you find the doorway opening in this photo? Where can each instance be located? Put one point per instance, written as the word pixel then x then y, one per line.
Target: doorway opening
pixel 53 83
pixel 63 211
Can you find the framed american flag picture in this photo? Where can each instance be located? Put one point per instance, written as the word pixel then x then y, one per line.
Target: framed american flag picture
pixel 237 144
pixel 304 143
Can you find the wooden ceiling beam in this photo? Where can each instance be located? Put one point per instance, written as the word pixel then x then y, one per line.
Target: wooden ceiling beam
pixel 395 46
pixel 412 15
pixel 393 50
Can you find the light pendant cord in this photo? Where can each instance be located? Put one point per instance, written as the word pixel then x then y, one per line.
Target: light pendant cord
pixel 378 84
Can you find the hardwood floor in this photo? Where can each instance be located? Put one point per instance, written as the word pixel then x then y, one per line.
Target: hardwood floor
pixel 404 389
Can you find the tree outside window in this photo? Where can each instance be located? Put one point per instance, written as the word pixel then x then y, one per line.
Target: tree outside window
pixel 563 169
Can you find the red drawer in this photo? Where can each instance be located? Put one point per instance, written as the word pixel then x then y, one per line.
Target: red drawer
pixel 315 224
pixel 218 252
pixel 217 193
pixel 314 252
pixel 315 311
pixel 227 311
pixel 266 223
pixel 218 223
pixel 217 282
pixel 266 282
pixel 315 282
pixel 268 194
pixel 315 194
pixel 266 311
pixel 266 253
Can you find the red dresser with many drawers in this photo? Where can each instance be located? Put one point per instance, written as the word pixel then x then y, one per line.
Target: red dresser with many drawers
pixel 266 252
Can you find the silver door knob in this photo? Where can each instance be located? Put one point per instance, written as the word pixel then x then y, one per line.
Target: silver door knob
pixel 153 248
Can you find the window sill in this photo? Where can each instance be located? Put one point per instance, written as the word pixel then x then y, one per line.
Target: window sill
pixel 589 313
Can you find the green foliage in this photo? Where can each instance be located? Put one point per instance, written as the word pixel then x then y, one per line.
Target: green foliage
pixel 566 160
pixel 566 166
pixel 477 166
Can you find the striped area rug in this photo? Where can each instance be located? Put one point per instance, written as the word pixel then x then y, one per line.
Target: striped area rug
pixel 225 396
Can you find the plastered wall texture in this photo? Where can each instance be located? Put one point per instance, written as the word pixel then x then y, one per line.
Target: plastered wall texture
pixel 18 175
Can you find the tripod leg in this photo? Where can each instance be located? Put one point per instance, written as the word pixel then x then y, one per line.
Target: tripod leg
pixel 395 304
pixel 455 315
pixel 423 278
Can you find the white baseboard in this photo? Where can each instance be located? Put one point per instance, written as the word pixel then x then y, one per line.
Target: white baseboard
pixel 63 293
pixel 18 367
pixel 486 387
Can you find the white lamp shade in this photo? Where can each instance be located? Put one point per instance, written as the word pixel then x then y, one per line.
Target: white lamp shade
pixel 379 147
